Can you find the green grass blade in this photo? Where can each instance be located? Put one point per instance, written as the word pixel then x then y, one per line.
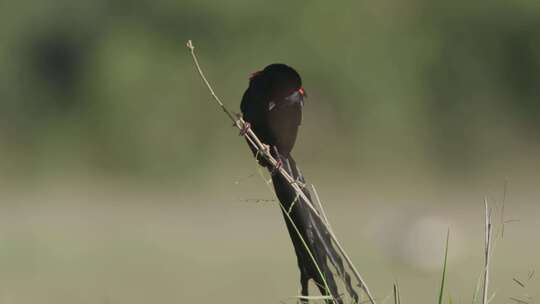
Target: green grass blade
pixel 441 291
pixel 397 300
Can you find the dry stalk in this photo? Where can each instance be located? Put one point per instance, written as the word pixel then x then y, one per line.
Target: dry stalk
pixel 397 299
pixel 487 252
pixel 264 150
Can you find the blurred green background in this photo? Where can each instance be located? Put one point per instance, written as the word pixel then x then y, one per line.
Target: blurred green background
pixel 122 182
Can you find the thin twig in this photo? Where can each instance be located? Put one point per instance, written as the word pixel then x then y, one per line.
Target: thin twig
pixel 313 297
pixel 518 300
pixel 321 209
pixel 441 290
pixel 518 282
pixel 487 251
pixel 477 289
pixel 216 98
pixel 502 208
pixel 397 300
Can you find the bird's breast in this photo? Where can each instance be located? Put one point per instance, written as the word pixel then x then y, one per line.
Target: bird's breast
pixel 283 123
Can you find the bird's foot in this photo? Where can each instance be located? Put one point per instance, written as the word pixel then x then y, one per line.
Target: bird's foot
pixel 245 128
pixel 277 166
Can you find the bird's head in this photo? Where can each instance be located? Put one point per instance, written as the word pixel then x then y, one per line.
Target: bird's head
pixel 281 82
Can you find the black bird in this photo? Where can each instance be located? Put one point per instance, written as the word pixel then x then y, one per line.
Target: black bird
pixel 272 107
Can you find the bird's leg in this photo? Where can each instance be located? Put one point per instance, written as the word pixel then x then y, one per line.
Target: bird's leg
pixel 277 167
pixel 279 164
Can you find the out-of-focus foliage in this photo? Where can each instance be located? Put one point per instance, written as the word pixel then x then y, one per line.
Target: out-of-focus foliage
pixel 108 87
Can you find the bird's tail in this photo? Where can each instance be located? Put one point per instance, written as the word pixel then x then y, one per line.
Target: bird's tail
pixel 310 235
